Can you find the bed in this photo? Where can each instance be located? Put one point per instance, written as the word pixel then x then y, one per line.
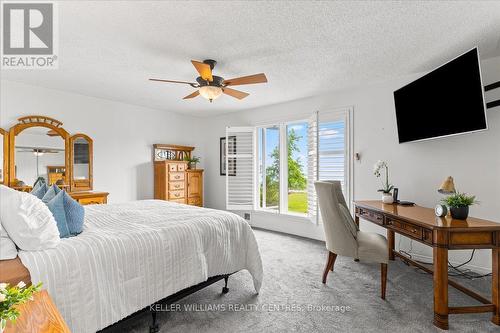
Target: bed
pixel 131 255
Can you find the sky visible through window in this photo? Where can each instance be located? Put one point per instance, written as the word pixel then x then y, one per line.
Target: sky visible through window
pixel 331 162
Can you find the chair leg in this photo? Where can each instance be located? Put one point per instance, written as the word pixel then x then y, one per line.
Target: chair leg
pixel 383 274
pixel 330 261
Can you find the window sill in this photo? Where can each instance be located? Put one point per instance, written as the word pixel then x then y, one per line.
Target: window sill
pixel 302 218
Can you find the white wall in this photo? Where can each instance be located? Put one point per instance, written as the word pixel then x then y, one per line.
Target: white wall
pixel 416 168
pixel 123 134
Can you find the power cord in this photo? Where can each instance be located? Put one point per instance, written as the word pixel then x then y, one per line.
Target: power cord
pixel 453 271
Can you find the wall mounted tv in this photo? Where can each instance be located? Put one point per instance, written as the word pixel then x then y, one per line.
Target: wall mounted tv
pixel 447 101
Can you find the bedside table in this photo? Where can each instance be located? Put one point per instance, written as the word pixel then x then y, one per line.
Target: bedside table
pixel 38 316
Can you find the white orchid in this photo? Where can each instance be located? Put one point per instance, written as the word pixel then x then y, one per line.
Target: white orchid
pixel 377 168
pixel 2 297
pixel 21 285
pixel 3 286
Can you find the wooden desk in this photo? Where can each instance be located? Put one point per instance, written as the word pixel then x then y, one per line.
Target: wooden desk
pixel 443 234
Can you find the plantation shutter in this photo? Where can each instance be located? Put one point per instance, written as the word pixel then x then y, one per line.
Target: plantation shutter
pixel 328 149
pixel 240 168
pixel 312 166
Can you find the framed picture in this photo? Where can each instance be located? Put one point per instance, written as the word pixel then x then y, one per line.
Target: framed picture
pixel 232 161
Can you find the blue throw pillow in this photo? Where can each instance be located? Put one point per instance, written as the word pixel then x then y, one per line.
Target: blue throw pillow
pixel 75 214
pixel 51 193
pixel 39 182
pixel 40 191
pixel 56 206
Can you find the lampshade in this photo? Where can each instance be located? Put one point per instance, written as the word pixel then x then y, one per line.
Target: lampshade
pixel 210 92
pixel 447 187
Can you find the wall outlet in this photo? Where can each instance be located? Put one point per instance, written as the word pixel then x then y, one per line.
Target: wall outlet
pixel 247 216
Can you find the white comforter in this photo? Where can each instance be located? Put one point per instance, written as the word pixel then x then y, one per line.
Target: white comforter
pixel 133 254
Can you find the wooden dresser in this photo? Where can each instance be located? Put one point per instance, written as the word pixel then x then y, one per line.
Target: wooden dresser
pixel 194 192
pixel 90 197
pixel 175 182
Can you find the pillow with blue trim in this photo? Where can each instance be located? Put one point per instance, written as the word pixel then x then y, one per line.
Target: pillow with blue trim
pixel 56 206
pixel 75 214
pixel 40 191
pixel 51 193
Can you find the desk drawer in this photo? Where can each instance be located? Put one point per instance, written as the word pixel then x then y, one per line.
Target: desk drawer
pixel 370 215
pixel 405 228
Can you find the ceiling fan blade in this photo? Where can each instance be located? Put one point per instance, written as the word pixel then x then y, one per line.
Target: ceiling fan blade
pixel 234 93
pixel 204 70
pixel 250 79
pixel 196 93
pixel 171 81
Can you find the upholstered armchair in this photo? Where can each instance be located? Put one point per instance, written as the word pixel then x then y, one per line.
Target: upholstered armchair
pixel 342 234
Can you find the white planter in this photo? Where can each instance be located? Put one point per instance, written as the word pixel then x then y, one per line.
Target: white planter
pixel 387 198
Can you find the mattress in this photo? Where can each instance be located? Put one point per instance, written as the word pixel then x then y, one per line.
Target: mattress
pixel 131 255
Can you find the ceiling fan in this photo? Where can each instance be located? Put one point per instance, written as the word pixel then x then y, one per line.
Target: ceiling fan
pixel 38 151
pixel 212 86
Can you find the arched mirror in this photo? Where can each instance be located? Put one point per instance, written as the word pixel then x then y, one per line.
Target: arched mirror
pixel 38 147
pixel 81 162
pixel 4 146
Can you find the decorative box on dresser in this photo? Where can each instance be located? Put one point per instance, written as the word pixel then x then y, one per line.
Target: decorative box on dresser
pixel 173 180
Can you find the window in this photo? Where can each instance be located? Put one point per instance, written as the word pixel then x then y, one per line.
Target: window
pixel 289 158
pixel 296 149
pixel 269 167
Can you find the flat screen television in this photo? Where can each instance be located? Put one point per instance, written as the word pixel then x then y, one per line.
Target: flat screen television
pixel 447 101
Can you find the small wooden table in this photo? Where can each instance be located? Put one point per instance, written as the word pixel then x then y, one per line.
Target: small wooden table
pixel 443 234
pixel 39 315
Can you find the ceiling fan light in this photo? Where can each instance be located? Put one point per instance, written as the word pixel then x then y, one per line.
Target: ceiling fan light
pixel 210 92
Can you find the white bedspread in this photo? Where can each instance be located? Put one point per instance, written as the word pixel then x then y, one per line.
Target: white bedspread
pixel 133 254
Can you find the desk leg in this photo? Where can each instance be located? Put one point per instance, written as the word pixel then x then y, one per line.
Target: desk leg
pixel 495 287
pixel 441 287
pixel 390 243
pixel 356 220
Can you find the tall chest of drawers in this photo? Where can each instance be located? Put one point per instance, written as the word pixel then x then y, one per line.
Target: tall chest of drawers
pixel 173 181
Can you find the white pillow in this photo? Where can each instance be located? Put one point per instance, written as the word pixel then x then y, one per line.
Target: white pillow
pixel 8 249
pixel 28 220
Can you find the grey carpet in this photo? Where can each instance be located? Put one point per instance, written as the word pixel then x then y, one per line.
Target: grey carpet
pixel 292 276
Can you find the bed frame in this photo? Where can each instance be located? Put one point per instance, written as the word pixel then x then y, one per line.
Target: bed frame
pixel 121 325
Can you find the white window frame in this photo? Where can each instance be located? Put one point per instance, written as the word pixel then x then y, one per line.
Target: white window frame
pixel 347 114
pixel 343 112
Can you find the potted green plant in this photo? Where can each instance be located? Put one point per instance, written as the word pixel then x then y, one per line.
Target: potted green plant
pixel 11 296
pixel 459 204
pixel 192 161
pixel 386 187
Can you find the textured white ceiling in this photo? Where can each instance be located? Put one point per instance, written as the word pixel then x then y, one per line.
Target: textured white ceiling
pixel 109 49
